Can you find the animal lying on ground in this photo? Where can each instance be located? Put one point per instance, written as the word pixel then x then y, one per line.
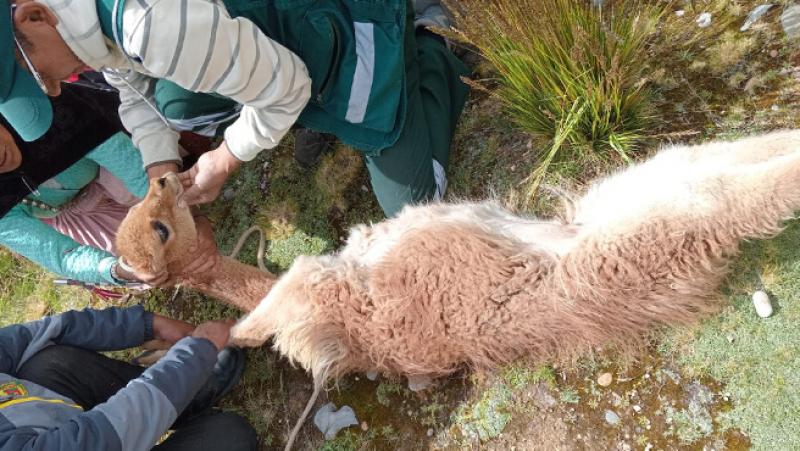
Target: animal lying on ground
pixel 443 286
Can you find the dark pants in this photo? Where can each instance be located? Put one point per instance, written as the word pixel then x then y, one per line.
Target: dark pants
pixel 403 173
pixel 89 379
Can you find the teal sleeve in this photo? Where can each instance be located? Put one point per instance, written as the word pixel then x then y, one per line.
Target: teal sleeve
pixel 118 155
pixel 28 236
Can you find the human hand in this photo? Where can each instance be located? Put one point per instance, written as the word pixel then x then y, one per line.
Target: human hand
pixel 124 272
pixel 204 180
pixel 204 253
pixel 217 332
pixel 170 330
pixel 159 170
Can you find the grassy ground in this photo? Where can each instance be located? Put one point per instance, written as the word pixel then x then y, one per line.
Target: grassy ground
pixel 729 383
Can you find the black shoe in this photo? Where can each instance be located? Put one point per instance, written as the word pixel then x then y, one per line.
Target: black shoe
pixel 226 373
pixel 310 145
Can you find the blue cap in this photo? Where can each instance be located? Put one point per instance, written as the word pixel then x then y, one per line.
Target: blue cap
pixel 22 102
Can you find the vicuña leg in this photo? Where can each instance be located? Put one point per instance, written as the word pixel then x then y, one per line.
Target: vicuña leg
pixel 284 307
pixel 751 150
pixel 752 201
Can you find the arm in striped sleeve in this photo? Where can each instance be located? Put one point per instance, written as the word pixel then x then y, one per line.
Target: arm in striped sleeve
pixel 155 140
pixel 208 51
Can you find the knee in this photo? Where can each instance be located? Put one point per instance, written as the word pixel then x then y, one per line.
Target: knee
pixel 50 363
pixel 240 435
pixel 393 199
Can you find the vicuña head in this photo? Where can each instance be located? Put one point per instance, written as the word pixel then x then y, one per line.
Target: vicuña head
pixel 158 232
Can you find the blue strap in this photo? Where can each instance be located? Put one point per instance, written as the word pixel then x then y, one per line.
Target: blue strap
pixel 104 13
pixel 111 24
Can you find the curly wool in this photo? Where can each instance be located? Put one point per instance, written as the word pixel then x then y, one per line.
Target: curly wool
pixel 443 286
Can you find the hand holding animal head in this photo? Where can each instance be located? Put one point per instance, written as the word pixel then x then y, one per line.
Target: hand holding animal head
pixel 158 232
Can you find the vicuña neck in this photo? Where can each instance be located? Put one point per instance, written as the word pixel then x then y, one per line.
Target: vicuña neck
pixel 235 283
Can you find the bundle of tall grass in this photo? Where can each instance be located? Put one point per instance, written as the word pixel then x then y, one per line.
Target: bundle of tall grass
pixel 567 69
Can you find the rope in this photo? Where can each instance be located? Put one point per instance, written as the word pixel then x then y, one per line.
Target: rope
pixel 303 416
pixel 262 244
pixel 260 259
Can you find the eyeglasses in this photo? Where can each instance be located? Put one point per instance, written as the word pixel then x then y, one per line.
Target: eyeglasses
pixel 31 69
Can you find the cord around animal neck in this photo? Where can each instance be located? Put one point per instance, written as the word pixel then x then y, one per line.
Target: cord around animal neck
pixel 261 246
pixel 304 415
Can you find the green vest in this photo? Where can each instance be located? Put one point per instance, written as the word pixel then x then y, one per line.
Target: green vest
pixel 355 52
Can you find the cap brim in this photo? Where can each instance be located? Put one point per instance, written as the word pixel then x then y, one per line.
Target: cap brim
pixel 26 107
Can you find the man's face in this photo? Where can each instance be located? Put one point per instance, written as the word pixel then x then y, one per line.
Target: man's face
pixel 10 156
pixel 48 52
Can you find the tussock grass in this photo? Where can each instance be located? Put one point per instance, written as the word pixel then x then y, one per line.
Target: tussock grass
pixel 567 70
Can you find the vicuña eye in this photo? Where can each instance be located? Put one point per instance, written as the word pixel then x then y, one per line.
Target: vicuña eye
pixel 162 230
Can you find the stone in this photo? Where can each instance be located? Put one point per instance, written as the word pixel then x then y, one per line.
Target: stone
pixel 542 396
pixel 372 375
pixel 611 417
pixel 754 15
pixel 330 421
pixel 364 426
pixel 790 21
pixel 605 379
pixel 430 432
pixel 762 304
pixel 773 53
pixel 637 408
pixel 703 20
pixel 419 383
pixel 680 13
pixel 228 194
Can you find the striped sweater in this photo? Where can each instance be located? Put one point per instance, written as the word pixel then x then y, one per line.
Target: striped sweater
pixel 198 46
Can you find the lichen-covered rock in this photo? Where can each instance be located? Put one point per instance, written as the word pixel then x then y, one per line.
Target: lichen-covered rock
pixel 486 418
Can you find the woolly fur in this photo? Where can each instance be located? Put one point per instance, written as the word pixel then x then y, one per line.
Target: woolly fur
pixel 443 286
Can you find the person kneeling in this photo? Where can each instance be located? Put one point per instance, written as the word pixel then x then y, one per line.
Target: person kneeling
pixel 58 393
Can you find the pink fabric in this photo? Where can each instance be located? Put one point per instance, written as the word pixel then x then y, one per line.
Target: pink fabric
pixel 93 217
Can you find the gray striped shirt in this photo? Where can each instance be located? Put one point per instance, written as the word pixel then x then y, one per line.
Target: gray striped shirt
pixel 198 46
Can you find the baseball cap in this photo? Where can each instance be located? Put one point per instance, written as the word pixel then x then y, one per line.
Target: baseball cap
pixel 22 102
